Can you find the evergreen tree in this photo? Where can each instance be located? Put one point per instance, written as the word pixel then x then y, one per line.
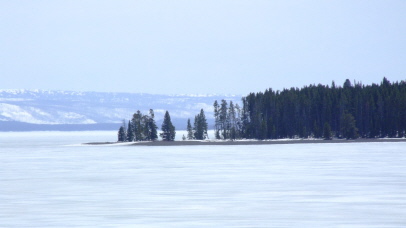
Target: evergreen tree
pixel 232 121
pixel 123 123
pixel 168 130
pixel 223 119
pixel 203 124
pixel 143 126
pixel 189 129
pixel 137 126
pixel 200 126
pixel 238 123
pixel 348 126
pixel 327 131
pixel 121 134
pixel 152 128
pixel 316 130
pixel 347 84
pixel 130 132
pixel 216 120
pixel 196 129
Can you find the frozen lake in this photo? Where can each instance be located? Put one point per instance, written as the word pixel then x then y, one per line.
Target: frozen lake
pixel 47 179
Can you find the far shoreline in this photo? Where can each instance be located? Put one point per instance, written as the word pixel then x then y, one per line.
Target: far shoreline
pixel 244 142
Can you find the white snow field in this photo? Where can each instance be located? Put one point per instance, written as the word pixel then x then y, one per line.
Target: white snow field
pixel 48 179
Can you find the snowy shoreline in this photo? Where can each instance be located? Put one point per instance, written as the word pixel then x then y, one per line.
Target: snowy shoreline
pixel 243 142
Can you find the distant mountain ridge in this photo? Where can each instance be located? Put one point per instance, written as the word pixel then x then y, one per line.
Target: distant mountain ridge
pixel 51 107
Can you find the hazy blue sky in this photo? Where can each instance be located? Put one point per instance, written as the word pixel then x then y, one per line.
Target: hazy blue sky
pixel 221 46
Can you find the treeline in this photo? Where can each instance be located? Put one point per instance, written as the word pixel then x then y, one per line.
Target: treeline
pixel 143 128
pixel 351 111
pixel 140 128
pixel 227 120
pixel 199 129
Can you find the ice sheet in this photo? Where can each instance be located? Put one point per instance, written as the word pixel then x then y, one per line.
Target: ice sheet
pixel 44 183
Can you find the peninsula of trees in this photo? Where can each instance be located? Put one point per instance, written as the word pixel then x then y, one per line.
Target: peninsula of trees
pixel 143 128
pixel 350 111
pixel 140 128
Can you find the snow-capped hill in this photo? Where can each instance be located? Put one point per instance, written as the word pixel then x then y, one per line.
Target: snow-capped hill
pixel 70 107
pixel 205 95
pixel 36 92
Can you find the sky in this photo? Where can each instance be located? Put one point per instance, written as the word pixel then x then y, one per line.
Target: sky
pixel 199 47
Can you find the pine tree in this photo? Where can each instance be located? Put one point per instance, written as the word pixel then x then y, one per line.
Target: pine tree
pixel 327 131
pixel 203 124
pixel 121 134
pixel 124 125
pixel 238 123
pixel 216 120
pixel 196 129
pixel 223 119
pixel 143 126
pixel 189 130
pixel 316 130
pixel 200 126
pixel 130 132
pixel 348 126
pixel 137 126
pixel 231 121
pixel 152 128
pixel 168 130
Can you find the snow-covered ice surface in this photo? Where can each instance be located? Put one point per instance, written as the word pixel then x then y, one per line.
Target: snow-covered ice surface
pixel 47 179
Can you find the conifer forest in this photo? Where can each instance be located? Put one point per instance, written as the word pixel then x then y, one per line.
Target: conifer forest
pixel 350 111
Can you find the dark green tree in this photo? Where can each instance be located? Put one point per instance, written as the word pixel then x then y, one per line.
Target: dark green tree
pixel 216 119
pixel 232 121
pixel 348 126
pixel 121 134
pixel 223 119
pixel 130 132
pixel 138 126
pixel 144 127
pixel 327 131
pixel 124 125
pixel 152 128
pixel 189 130
pixel 347 84
pixel 168 130
pixel 316 130
pixel 200 126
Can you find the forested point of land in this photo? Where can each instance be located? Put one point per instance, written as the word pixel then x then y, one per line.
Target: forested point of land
pixel 350 111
